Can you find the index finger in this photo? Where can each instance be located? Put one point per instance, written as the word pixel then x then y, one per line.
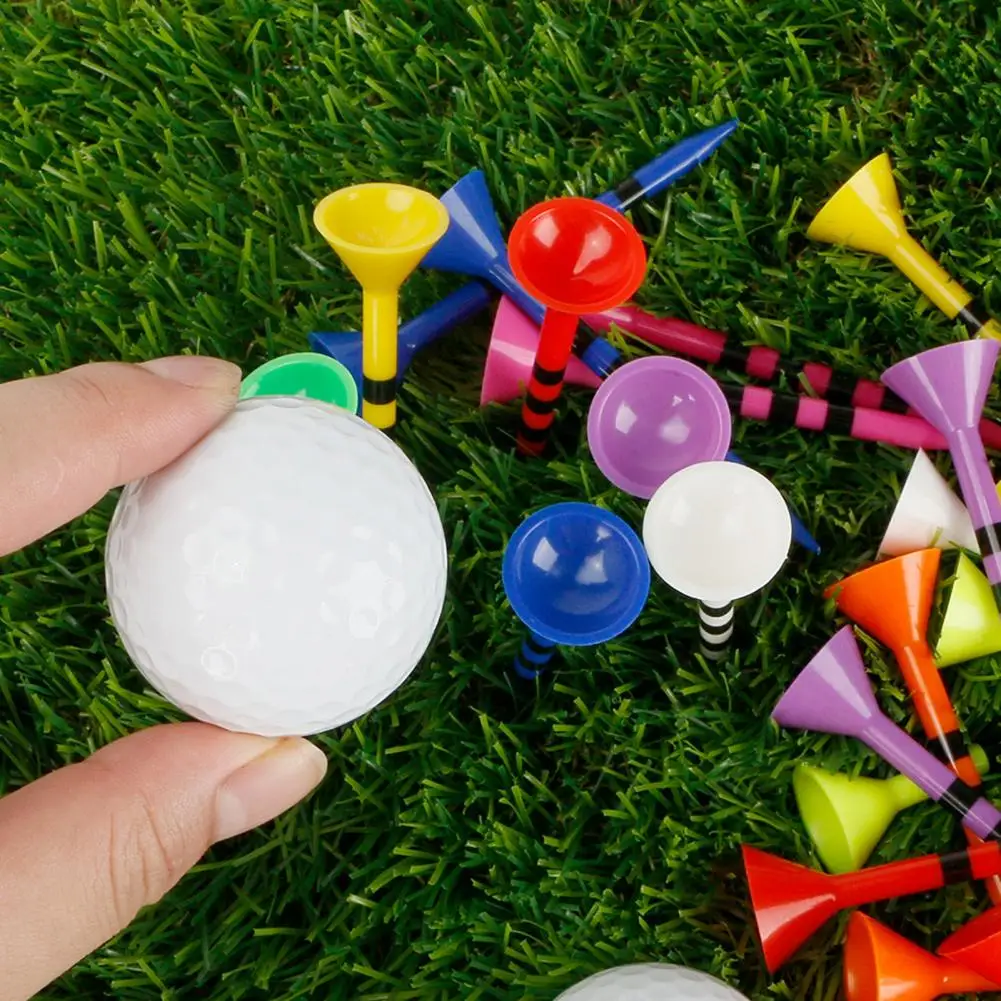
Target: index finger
pixel 66 439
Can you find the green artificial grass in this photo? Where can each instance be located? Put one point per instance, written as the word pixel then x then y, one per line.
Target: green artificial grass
pixel 479 837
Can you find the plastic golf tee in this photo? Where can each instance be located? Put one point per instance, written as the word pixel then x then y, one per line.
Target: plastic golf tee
pixel 759 362
pixel 980 494
pixel 791 902
pixel 970 627
pixel 948 386
pixel 892 601
pixel 800 533
pixel 904 753
pixel 977 945
pixel 840 388
pixel 380 231
pixel 846 816
pixel 833 694
pixel 715 629
pixel 557 600
pixel 379 366
pixel 546 381
pixel 474 244
pixel 865 213
pixel 880 965
pixel 670 166
pixel 574 255
pixel 942 289
pixel 690 340
pixel 743 530
pixel 809 414
pixel 417 333
pixel 536 652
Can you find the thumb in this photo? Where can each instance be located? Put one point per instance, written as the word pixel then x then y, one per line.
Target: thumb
pixel 84 848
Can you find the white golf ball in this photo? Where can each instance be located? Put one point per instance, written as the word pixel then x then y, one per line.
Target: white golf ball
pixel 282 577
pixel 651 982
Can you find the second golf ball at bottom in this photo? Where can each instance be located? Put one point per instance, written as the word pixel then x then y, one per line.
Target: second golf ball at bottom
pixel 651 982
pixel 282 577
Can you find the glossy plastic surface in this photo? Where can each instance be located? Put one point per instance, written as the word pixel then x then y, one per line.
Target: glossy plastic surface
pixel 545 384
pixel 510 355
pixel 791 902
pixel 688 339
pixel 786 410
pixel 511 352
pixel 800 533
pixel 653 417
pixel 667 168
pixel 832 694
pixel 576 255
pixel 864 213
pixel 759 362
pixel 971 624
pixel 892 601
pixel 927 513
pixel 977 945
pixel 380 231
pixel 307 374
pixel 847 816
pixel 880 965
pixel 717 531
pixel 576 575
pixel 948 386
pixel 474 244
pixel 416 334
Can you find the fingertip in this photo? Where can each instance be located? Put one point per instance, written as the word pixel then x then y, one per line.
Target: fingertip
pixel 198 372
pixel 269 785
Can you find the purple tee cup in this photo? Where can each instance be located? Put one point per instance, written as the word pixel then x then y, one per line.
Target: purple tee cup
pixel 653 417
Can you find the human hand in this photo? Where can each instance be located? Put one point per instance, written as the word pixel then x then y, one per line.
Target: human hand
pixel 87 846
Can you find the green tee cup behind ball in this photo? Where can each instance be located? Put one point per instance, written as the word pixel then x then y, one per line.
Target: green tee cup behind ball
pixel 304 374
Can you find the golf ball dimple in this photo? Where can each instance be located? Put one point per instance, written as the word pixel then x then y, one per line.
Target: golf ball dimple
pixel 282 577
pixel 651 982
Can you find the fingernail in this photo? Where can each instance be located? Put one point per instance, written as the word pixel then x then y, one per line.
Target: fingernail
pixel 267 786
pixel 197 371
